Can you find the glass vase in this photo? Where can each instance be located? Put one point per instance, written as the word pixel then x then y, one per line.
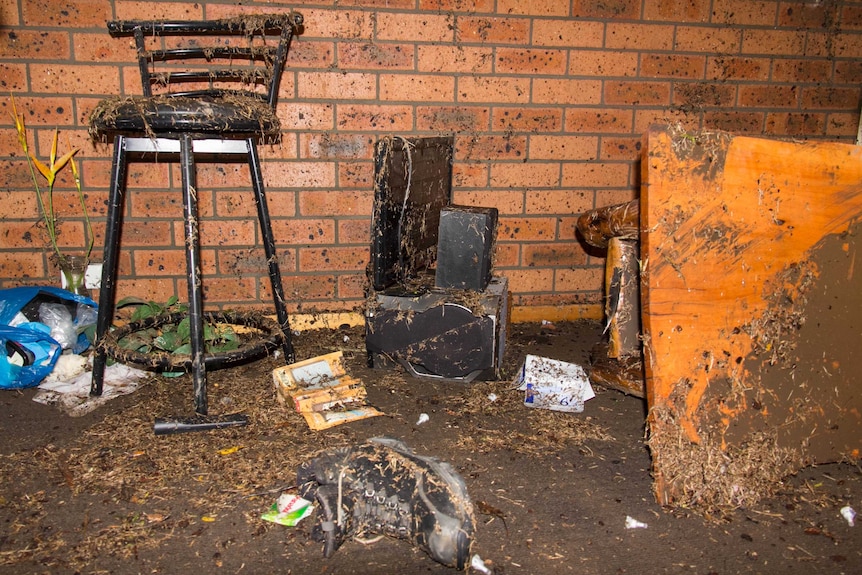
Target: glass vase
pixel 73 269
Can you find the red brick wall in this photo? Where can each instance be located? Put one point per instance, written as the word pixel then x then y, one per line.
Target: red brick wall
pixel 547 99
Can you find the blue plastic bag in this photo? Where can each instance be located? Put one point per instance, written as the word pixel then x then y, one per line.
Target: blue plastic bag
pixel 30 351
pixel 31 345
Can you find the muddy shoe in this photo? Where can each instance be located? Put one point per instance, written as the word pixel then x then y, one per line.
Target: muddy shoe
pixel 383 488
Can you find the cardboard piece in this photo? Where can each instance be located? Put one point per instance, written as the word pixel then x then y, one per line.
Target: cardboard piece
pixel 322 392
pixel 553 384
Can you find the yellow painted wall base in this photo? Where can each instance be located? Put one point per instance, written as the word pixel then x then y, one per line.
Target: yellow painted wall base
pixel 521 314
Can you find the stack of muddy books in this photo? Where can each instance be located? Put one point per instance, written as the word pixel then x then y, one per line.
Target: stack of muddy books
pixel 322 392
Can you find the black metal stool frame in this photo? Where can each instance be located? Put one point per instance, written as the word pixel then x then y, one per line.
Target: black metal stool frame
pixel 211 121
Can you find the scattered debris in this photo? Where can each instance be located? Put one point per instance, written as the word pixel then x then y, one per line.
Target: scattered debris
pixel 320 389
pixel 288 510
pixel 553 384
pixel 849 514
pixel 423 417
pixel 72 395
pixel 478 564
pixel 632 523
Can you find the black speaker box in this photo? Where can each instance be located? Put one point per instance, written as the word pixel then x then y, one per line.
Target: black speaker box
pixel 465 245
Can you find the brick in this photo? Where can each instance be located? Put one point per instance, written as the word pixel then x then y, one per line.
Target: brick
pixel 706 40
pixel 374 55
pixel 802 124
pixel 337 24
pixel 230 289
pixel 646 37
pixel 506 202
pixel 672 66
pixel 351 287
pixel 13 77
pixel 21 205
pixel 534 8
pixel 526 229
pixel 235 204
pixel 621 148
pixel 159 262
pixel 530 280
pixel 740 122
pixel 497 147
pixel 303 116
pixel 643 119
pixel 506 256
pixel 455 59
pixel 310 287
pixel 566 92
pixel 493 30
pixel 851 17
pixel 637 93
pixel 43 111
pixel 306 53
pixel 732 68
pixel 603 63
pixel 333 258
pixel 567 280
pixel 826 97
pixel 80 13
pixel 131 10
pixel 336 85
pixel 745 12
pixel 531 61
pixel 34 44
pixel 354 231
pixel 242 262
pixel 591 120
pixel 470 6
pixel 299 174
pixel 558 201
pixel 526 119
pixel 422 27
pixel 769 96
pixel 614 197
pixel 452 118
pixel 416 88
pixel 842 125
pixel 568 33
pixel 282 204
pixel 18 235
pixel 147 233
pixel 392 4
pixel 355 175
pixel 623 9
pixel 470 175
pixel 9 9
pixel 773 42
pixel 596 174
pixel 553 254
pixel 304 231
pixel 150 289
pixel 801 15
pixel 676 11
pixel 373 117
pixel 21 265
pixel 335 203
pixel 798 70
pixel 847 72
pixel 697 96
pixel 847 46
pixel 569 147
pixel 521 175
pixel 332 145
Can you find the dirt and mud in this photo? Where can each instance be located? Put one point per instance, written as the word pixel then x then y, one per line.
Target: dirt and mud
pixel 102 494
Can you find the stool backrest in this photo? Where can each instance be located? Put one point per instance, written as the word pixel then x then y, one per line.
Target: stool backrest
pixel 191 58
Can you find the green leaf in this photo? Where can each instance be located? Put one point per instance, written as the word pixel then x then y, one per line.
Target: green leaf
pixel 168 341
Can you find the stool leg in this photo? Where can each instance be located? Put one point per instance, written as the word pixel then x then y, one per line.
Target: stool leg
pixel 107 289
pixel 269 249
pixel 193 261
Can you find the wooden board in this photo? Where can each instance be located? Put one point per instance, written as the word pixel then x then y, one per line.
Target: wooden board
pixel 751 310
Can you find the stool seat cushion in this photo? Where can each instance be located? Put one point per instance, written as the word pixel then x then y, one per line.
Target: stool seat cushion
pixel 224 114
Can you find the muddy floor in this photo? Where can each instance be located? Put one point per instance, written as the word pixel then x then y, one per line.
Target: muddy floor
pixel 102 494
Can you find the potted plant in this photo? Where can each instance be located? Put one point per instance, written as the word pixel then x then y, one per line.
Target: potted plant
pixel 72 266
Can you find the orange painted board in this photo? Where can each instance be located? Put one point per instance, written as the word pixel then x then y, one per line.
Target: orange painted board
pixel 751 295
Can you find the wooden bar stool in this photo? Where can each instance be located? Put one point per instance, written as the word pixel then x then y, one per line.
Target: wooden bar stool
pixel 210 90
